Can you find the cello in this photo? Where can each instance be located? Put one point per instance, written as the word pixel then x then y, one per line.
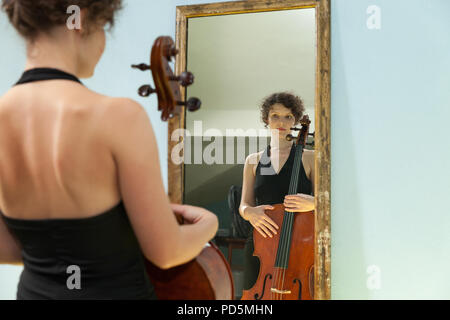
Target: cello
pixel 287 260
pixel 208 276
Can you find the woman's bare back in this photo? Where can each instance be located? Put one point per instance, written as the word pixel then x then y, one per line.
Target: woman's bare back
pixel 54 157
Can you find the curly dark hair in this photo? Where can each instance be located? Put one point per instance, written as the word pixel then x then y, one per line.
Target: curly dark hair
pixel 30 17
pixel 287 99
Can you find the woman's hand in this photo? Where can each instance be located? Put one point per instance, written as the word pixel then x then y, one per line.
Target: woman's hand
pixel 299 203
pixel 191 214
pixel 260 221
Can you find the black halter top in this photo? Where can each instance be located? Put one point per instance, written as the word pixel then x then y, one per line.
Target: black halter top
pixel 39 74
pixel 270 187
pixel 87 258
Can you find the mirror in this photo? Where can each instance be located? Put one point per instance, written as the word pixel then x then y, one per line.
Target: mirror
pixel 241 53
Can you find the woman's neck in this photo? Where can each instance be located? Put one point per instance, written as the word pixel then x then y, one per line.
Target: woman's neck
pixel 55 52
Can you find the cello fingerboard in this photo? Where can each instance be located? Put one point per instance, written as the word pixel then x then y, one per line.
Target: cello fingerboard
pixel 284 245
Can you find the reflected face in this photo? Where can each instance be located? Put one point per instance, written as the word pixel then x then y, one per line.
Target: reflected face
pixel 281 119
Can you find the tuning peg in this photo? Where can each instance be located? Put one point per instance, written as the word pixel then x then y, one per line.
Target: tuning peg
pixel 193 104
pixel 173 51
pixel 146 90
pixel 142 66
pixel 185 78
pixel 170 52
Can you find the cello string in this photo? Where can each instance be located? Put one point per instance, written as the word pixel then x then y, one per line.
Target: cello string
pixel 281 254
pixel 296 177
pixel 294 185
pixel 281 262
pixel 290 215
pixel 285 238
pixel 284 242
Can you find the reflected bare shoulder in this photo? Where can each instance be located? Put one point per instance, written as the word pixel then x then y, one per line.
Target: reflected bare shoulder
pixel 308 161
pixel 253 159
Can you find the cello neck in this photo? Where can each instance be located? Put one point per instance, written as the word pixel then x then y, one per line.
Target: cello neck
pixel 295 175
pixel 299 144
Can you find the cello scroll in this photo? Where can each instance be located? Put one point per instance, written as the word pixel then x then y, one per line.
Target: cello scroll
pixel 167 85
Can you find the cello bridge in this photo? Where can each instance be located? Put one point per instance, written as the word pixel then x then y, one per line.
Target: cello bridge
pixel 274 290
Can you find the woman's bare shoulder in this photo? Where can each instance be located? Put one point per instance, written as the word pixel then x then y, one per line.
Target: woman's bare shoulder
pixel 308 156
pixel 308 153
pixel 253 158
pixel 119 109
pixel 117 116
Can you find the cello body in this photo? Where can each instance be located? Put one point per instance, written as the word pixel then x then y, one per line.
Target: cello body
pixel 295 282
pixel 206 277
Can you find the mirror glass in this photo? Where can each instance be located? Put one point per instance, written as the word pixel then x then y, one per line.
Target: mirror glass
pixel 238 60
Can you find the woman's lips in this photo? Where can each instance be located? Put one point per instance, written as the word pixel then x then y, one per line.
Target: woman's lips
pixel 281 129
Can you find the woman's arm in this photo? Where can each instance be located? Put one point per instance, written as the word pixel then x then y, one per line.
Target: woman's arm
pixel 255 215
pixel 303 202
pixel 10 249
pixel 248 182
pixel 134 148
pixel 312 170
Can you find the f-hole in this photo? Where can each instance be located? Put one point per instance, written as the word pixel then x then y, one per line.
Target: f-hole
pixel 257 297
pixel 299 288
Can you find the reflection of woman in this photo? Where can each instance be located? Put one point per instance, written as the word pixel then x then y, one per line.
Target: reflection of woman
pixel 267 175
pixel 81 191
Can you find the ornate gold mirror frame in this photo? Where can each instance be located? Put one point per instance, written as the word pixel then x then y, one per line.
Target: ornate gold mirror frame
pixel 322 285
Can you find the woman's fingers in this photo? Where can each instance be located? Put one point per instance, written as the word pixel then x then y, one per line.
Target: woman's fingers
pixel 270 227
pixel 266 231
pixel 298 202
pixel 266 218
pixel 265 228
pixel 262 228
pixel 260 231
pixel 290 203
pixel 177 207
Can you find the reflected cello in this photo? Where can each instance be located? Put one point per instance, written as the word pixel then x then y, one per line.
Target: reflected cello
pixel 287 260
pixel 208 276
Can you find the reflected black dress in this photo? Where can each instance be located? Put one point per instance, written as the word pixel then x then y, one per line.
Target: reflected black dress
pixel 88 258
pixel 270 188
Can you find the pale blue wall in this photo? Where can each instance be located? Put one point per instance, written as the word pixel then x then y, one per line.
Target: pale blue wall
pixel 390 149
pixel 390 111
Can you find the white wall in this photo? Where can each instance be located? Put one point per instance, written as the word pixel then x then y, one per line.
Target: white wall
pixel 238 60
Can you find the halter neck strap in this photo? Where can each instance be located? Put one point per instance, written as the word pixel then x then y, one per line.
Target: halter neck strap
pixel 39 74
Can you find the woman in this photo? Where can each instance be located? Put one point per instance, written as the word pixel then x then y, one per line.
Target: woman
pixel 81 193
pixel 267 176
